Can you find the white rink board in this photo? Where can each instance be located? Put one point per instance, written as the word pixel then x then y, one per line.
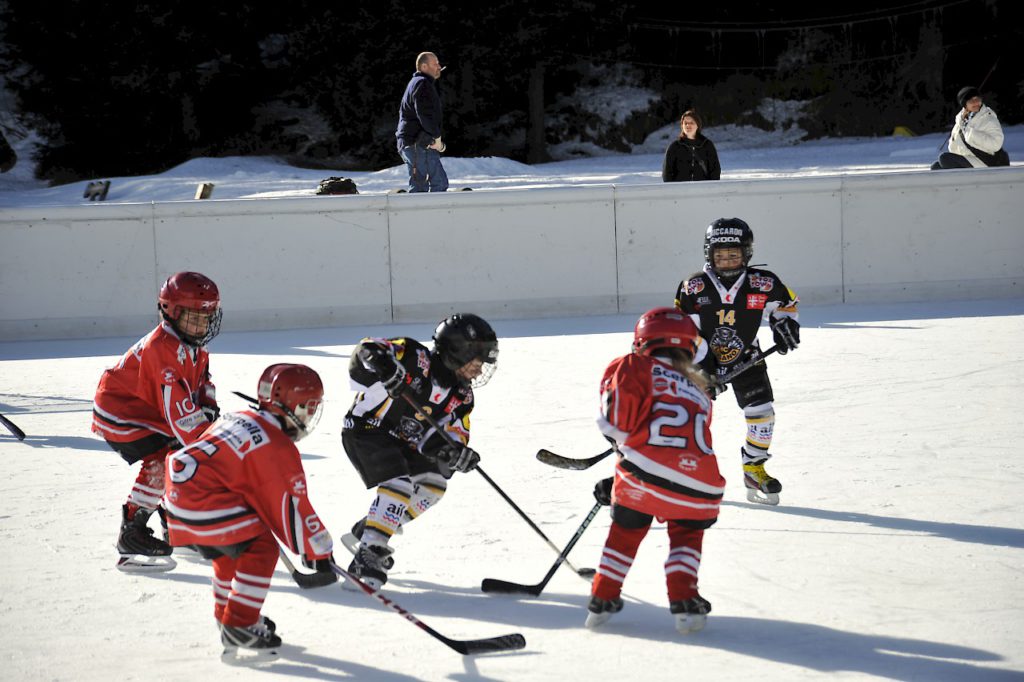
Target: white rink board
pixel 661 235
pixel 95 270
pixel 504 254
pixel 928 238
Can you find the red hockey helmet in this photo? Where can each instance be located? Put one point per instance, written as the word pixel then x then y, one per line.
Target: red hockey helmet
pixel 190 302
pixel 665 328
pixel 295 393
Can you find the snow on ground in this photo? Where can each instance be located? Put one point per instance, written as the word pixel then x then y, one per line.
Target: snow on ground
pixel 746 153
pixel 896 552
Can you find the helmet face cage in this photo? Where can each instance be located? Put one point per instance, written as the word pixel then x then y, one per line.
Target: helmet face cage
pixel 665 328
pixel 190 302
pixel 728 233
pixel 294 392
pixel 462 338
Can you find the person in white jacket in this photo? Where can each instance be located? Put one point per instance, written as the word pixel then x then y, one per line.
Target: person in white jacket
pixel 976 137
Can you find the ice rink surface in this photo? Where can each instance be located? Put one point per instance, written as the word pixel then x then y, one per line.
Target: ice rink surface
pixel 896 553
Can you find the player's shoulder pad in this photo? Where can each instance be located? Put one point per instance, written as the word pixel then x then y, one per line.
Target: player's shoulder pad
pixel 693 284
pixel 763 280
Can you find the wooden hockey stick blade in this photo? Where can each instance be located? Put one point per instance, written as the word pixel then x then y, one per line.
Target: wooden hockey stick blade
pixel 13 428
pixel 493 585
pixel 506 587
pixel 561 462
pixel 462 646
pixel 307 581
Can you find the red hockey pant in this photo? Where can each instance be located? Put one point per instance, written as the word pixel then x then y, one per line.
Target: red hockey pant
pixel 240 585
pixel 620 549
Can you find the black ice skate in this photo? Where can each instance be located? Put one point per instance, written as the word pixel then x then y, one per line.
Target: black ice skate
pixel 352 540
pixel 371 565
pixel 140 550
pixel 761 487
pixel 259 638
pixel 600 610
pixel 691 614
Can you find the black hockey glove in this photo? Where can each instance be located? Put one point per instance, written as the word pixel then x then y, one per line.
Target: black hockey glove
pixel 320 565
pixel 603 491
pixel 460 458
pixel 715 388
pixel 387 368
pixel 206 399
pixel 786 331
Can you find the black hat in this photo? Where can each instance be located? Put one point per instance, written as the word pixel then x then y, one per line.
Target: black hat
pixel 967 93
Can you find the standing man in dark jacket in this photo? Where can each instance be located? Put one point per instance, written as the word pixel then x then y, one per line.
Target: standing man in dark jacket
pixel 419 127
pixel 692 156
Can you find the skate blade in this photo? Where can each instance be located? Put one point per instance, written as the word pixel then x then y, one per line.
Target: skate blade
pixel 140 563
pixel 762 497
pixel 596 620
pixel 233 655
pixel 688 623
pixel 350 542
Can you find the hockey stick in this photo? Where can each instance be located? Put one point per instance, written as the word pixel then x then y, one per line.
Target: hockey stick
pixel 246 397
pixel 561 462
pixel 12 427
pixel 585 573
pixel 306 581
pixel 493 585
pixel 744 366
pixel 465 647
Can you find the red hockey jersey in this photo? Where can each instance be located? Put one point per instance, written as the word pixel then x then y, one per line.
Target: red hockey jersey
pixel 661 423
pixel 155 387
pixel 242 476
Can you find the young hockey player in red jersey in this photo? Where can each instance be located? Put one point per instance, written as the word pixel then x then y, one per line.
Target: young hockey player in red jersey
pixel 727 301
pixel 242 483
pixel 157 398
pixel 394 449
pixel 656 412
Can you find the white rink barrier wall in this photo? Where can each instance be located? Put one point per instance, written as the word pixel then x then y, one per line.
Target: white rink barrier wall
pixel 94 270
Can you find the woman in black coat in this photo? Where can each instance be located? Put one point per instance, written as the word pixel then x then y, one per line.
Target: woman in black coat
pixel 692 156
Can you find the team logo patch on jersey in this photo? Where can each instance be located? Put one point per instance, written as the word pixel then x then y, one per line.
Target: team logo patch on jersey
pixel 762 283
pixel 410 429
pixel 756 301
pixel 242 435
pixel 695 286
pixel 191 421
pixel 168 376
pixel 687 463
pixel 422 361
pixel 298 485
pixel 726 345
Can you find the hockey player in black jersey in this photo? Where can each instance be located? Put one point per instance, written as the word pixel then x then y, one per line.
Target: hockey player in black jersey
pixel 396 450
pixel 727 300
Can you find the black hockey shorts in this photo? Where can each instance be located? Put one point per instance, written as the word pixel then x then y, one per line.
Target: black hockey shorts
pixel 631 518
pixel 753 387
pixel 135 450
pixel 378 457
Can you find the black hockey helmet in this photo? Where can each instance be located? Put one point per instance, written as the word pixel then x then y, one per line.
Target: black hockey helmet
pixel 728 232
pixel 464 337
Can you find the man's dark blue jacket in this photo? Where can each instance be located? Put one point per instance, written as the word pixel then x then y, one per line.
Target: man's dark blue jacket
pixel 419 115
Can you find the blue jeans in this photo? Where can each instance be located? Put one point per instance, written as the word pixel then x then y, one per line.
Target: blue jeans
pixel 426 174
